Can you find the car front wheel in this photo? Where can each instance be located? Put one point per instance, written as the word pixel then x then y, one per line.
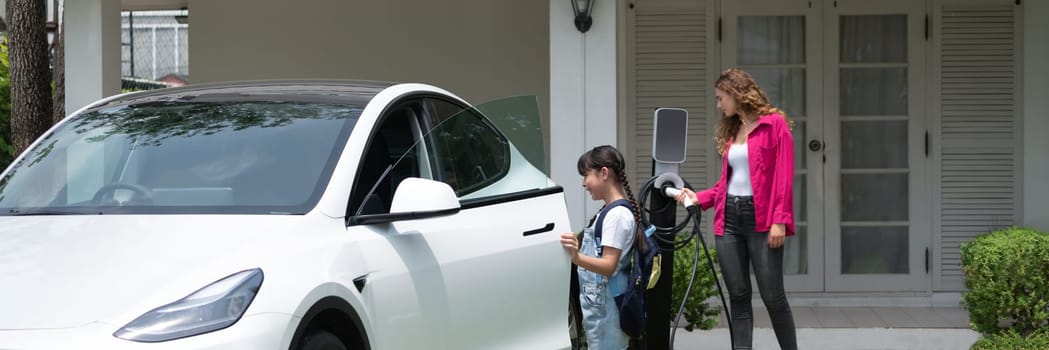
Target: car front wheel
pixel 320 339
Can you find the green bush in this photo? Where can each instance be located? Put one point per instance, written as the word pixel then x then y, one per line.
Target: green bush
pixel 1011 340
pixel 1007 276
pixel 698 313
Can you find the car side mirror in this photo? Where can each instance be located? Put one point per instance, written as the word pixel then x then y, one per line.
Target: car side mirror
pixel 416 195
pixel 415 198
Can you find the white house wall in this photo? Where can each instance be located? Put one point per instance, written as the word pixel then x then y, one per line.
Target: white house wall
pixel 92 46
pixel 584 88
pixel 479 49
pixel 1036 114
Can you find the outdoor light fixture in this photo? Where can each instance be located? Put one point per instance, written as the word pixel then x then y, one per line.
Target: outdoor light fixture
pixel 582 10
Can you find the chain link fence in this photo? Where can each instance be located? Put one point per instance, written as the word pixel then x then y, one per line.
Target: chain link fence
pixel 154 49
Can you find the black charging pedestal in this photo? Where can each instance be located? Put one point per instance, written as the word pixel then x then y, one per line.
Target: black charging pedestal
pixel 658 299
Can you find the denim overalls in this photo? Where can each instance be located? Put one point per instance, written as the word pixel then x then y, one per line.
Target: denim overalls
pixel 597 297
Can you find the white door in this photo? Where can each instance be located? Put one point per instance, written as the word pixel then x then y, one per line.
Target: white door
pixel 850 74
pixel 877 203
pixel 779 43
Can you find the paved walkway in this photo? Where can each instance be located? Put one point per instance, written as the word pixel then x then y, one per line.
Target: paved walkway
pixel 869 317
pixel 842 328
pixel 839 339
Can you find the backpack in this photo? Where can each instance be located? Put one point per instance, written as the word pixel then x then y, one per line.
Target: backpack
pixel 644 273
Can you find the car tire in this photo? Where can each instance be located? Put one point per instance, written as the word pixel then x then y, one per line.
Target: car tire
pixel 320 339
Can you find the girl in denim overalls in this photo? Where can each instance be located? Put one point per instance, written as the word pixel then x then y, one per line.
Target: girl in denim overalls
pixel 604 265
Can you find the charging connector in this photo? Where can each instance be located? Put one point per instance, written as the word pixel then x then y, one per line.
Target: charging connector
pixel 674 192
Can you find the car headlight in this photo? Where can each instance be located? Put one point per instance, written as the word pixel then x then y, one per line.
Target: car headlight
pixel 216 306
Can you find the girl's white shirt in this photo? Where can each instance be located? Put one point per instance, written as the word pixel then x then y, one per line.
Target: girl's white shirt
pixel 617 230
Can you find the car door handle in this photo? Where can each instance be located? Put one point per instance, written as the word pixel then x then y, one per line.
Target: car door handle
pixel 549 227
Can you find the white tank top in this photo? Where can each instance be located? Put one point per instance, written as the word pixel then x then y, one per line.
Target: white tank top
pixel 739 183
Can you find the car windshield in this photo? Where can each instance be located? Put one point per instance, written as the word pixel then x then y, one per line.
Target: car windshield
pixel 183 157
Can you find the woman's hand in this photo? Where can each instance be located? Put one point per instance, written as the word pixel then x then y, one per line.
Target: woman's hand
pixel 776 235
pixel 571 244
pixel 685 193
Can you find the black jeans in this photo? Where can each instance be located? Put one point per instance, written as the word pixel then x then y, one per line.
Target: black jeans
pixel 739 249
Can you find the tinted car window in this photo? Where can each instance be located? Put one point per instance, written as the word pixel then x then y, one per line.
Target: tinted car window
pixel 468 151
pixel 389 143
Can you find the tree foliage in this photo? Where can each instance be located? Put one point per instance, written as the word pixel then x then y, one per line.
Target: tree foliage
pixel 7 149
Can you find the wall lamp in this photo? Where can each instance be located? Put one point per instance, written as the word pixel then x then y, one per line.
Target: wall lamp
pixel 582 10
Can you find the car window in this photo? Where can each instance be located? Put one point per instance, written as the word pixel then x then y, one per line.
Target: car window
pixel 463 149
pixel 377 177
pixel 469 152
pixel 519 120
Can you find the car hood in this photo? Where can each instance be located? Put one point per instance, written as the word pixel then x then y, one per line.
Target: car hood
pixel 68 271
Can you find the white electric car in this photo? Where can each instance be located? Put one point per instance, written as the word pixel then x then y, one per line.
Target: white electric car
pixel 283 215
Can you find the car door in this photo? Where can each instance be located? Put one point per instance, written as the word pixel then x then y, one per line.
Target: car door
pixel 492 275
pixel 508 278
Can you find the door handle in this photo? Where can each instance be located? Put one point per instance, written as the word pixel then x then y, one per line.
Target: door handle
pixel 549 227
pixel 815 145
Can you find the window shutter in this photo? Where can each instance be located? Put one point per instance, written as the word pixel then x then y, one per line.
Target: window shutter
pixel 668 51
pixel 978 159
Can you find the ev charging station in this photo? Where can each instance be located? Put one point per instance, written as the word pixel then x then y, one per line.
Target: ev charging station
pixel 668 152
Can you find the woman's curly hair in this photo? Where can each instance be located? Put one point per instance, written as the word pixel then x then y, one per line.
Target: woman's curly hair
pixel 750 99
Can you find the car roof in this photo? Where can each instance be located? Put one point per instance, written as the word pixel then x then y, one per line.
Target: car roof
pixel 310 91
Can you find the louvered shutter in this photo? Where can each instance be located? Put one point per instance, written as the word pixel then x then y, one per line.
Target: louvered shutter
pixel 978 160
pixel 668 49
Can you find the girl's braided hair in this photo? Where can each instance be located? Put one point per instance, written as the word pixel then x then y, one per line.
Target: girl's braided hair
pixel 609 157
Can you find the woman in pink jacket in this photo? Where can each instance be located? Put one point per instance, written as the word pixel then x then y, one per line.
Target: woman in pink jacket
pixel 753 203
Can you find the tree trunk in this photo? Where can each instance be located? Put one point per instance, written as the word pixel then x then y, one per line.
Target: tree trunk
pixel 60 66
pixel 30 82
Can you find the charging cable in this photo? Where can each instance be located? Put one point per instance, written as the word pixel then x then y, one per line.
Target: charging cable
pixel 670 185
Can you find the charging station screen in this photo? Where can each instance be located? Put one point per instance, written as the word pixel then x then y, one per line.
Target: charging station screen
pixel 671 129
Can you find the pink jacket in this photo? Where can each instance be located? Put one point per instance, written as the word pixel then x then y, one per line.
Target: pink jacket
pixel 770 150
